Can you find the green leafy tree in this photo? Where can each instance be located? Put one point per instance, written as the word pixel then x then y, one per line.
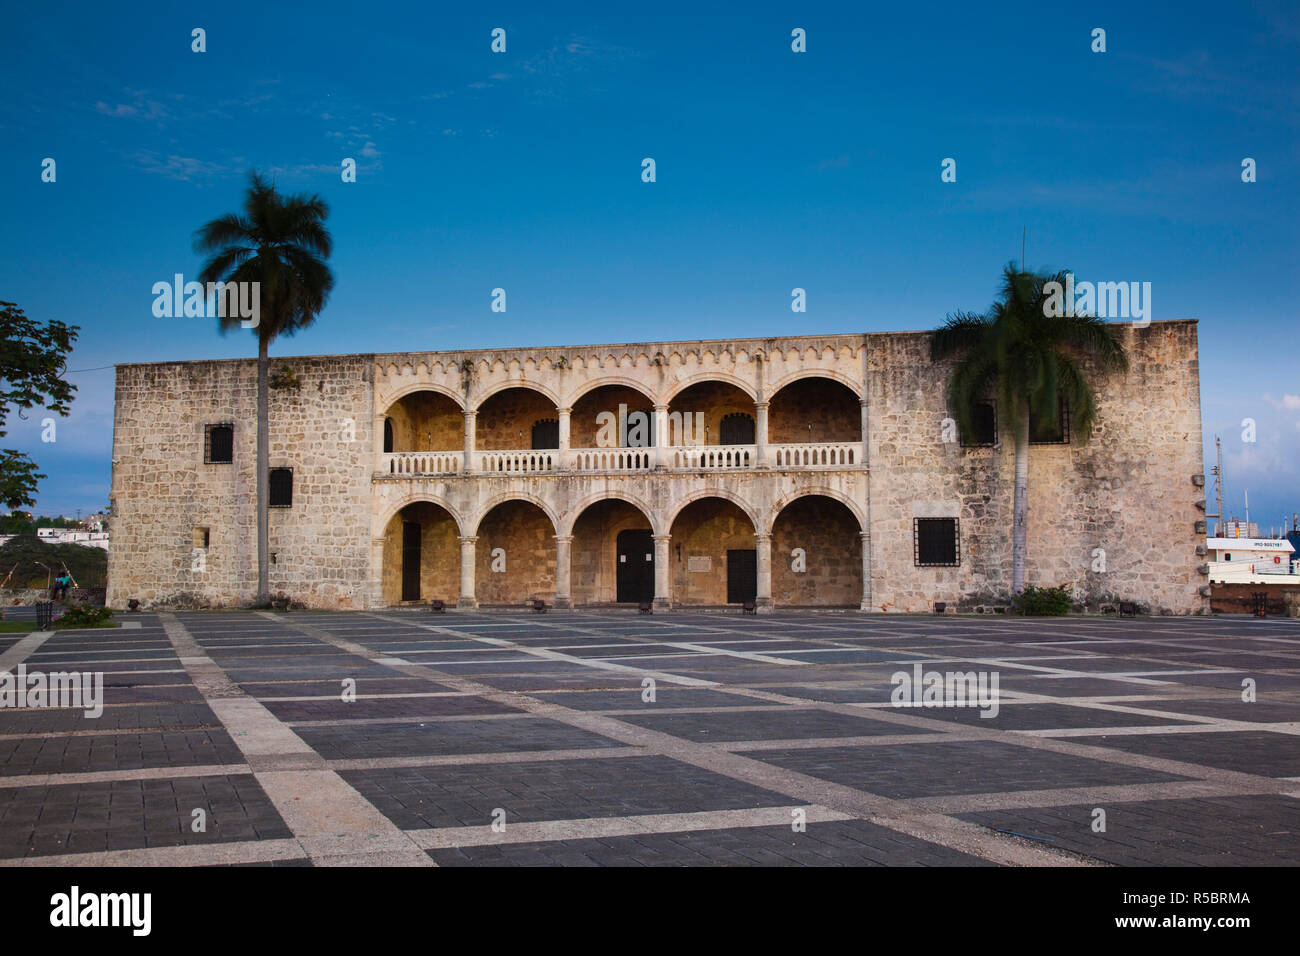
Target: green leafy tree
pixel 281 243
pixel 33 359
pixel 1028 360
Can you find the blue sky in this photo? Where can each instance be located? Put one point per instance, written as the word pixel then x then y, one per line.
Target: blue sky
pixel 521 170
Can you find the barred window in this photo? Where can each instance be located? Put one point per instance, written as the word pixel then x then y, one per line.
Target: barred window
pixel 546 433
pixel 218 444
pixel 936 542
pixel 281 488
pixel 737 429
pixel 985 422
pixel 1051 431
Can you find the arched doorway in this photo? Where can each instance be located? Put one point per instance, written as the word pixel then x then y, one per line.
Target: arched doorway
pixel 714 554
pixel 421 555
pixel 515 555
pixel 611 541
pixel 816 554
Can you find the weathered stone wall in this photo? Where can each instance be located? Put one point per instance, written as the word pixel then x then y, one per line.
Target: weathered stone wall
pixel 829 536
pixel 595 554
pixel 427 421
pixel 714 400
pixel 705 531
pixel 163 490
pixel 439 554
pixel 583 426
pixel 526 535
pixel 506 419
pixel 1129 491
pixel 814 410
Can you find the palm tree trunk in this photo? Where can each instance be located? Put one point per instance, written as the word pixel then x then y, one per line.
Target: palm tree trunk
pixel 263 472
pixel 1020 507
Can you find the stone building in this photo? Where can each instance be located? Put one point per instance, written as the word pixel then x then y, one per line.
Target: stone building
pixel 809 470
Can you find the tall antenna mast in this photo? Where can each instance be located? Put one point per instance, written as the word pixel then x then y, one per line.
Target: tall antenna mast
pixel 1217 472
pixel 1023 231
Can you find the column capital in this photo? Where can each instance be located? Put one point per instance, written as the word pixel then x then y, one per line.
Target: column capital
pixel 762 404
pixel 660 406
pixel 469 412
pixel 468 538
pixel 564 411
pixel 762 536
pixel 660 537
pixel 563 538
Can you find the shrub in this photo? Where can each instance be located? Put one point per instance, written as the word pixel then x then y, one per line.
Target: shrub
pixel 1044 602
pixel 84 616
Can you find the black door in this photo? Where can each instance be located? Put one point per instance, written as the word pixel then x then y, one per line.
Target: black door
pixel 410 561
pixel 742 576
pixel 636 566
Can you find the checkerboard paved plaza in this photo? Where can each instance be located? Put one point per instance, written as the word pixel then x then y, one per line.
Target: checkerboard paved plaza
pixel 544 726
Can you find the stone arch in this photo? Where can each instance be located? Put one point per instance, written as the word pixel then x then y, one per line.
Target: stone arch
pixel 735 499
pixel 481 397
pixel 571 516
pixel 505 496
pixel 791 497
pixel 399 394
pixel 854 386
pixel 605 380
pixel 816 551
pixel 413 498
pixel 714 376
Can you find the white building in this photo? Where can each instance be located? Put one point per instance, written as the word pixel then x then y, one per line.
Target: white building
pixel 1252 561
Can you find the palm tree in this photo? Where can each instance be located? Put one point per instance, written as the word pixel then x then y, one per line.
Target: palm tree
pixel 281 243
pixel 1026 356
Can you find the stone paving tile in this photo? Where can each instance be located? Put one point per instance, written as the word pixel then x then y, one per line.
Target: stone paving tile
pixel 171 716
pixel 185 693
pixel 1041 717
pixel 505 735
pixel 370 708
pixel 1257 752
pixel 972 766
pixel 1252 830
pixel 125 751
pixel 841 843
pixel 164 725
pixel 299 861
pixel 866 693
pixel 142 678
pixel 334 688
pixel 1078 686
pixel 630 699
pixel 1234 708
pixel 129 814
pixel 422 797
pixel 1264 683
pixel 584 680
pixel 786 724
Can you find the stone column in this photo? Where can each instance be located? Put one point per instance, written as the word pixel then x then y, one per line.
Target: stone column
pixel 377 434
pixel 563 463
pixel 663 574
pixel 377 571
pixel 563 597
pixel 760 433
pixel 467 599
pixel 661 455
pixel 866 433
pixel 763 602
pixel 471 418
pixel 867 604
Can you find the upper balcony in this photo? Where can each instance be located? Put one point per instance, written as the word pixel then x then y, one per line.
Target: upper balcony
pixel 812 423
